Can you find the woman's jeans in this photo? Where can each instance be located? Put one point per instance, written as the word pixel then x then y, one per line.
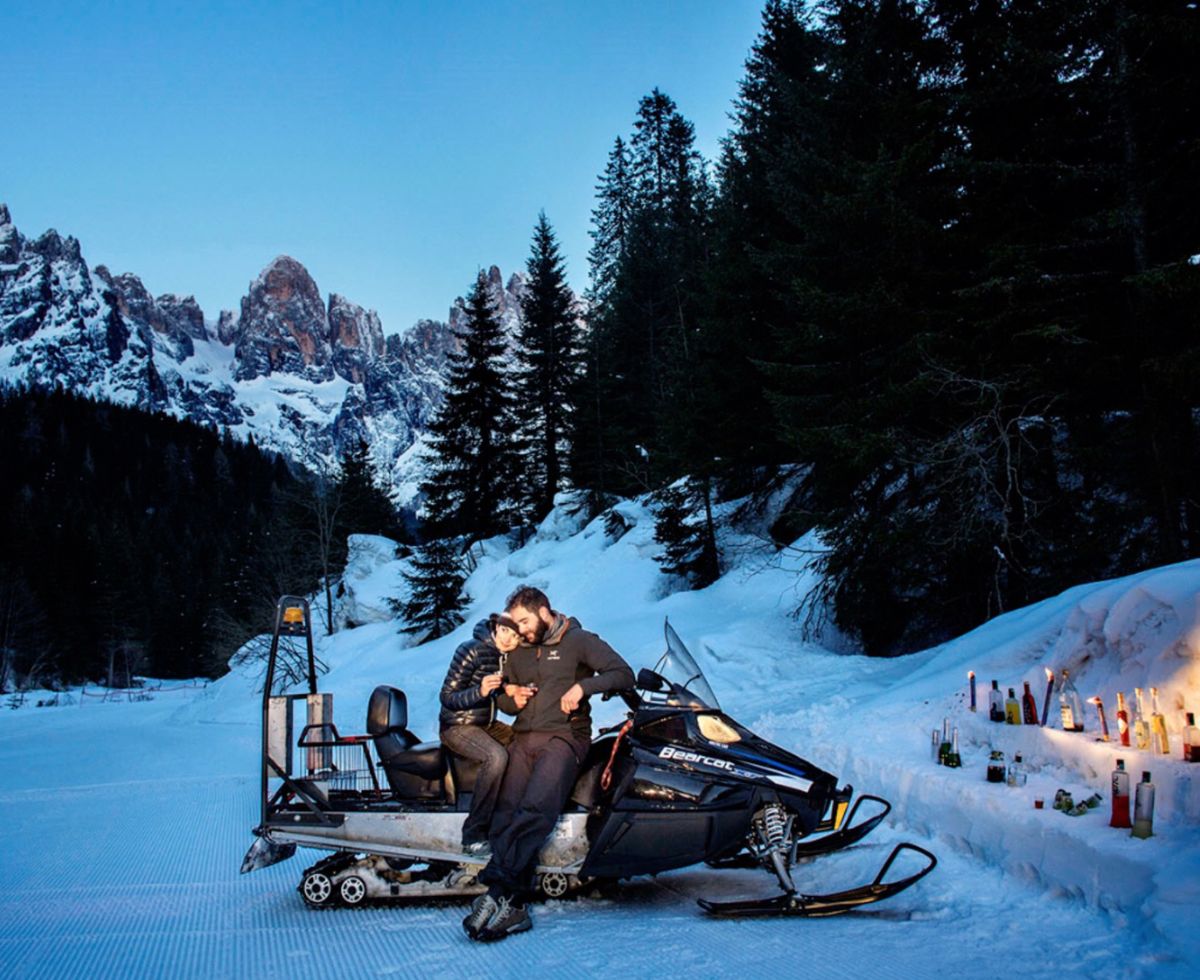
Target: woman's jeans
pixel 480 743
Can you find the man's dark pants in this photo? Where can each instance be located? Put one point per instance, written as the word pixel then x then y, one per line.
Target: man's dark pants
pixel 542 767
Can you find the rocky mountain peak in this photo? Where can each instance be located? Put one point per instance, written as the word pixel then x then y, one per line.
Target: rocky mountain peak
pixel 284 326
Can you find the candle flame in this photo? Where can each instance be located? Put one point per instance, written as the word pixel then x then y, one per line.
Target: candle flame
pixel 970 674
pixel 1049 673
pixel 1095 700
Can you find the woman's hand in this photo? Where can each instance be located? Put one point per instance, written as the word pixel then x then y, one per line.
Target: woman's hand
pixel 489 684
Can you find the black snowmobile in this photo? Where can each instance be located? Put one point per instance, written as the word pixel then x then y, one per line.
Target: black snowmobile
pixel 679 783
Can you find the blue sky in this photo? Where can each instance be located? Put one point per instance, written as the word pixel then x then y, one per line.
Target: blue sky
pixel 393 148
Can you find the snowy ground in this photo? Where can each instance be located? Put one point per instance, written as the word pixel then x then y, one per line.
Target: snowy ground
pixel 127 822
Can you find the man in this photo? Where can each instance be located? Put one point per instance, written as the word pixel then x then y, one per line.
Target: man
pixel 549 679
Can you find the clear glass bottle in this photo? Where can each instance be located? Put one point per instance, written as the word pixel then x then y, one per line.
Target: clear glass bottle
pixel 1191 740
pixel 944 747
pixel 1070 705
pixel 1017 776
pixel 1141 727
pixel 1143 809
pixel 1120 796
pixel 995 703
pixel 1158 726
pixel 1012 708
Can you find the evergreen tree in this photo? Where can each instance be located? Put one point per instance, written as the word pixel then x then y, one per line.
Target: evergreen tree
pixel 548 350
pixel 469 491
pixel 436 600
pixel 366 508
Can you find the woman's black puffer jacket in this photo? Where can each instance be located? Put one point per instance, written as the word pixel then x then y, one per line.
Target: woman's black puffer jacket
pixel 472 661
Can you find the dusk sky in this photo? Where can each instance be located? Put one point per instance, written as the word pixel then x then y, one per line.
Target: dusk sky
pixel 393 148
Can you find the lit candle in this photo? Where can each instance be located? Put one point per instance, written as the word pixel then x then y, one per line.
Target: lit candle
pixel 1049 691
pixel 971 678
pixel 1103 721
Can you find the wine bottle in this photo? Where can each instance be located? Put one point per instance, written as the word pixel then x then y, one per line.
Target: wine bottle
pixel 944 748
pixel 1123 718
pixel 1012 709
pixel 1120 796
pixel 1143 809
pixel 1070 705
pixel 1191 740
pixel 1029 706
pixel 1141 727
pixel 1158 726
pixel 953 759
pixel 995 703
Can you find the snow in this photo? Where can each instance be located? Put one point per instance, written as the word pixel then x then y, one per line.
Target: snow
pixel 127 821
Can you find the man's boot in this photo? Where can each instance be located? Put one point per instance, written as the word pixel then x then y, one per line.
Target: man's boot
pixel 510 917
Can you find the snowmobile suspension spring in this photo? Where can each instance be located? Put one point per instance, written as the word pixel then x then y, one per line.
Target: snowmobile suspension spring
pixel 774 822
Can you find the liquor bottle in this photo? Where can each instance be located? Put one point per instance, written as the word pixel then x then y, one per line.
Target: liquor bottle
pixel 1191 740
pixel 1123 718
pixel 1120 796
pixel 1017 776
pixel 1141 727
pixel 935 745
pixel 944 747
pixel 995 703
pixel 1029 706
pixel 1070 705
pixel 1158 726
pixel 1143 809
pixel 953 759
pixel 995 767
pixel 1012 709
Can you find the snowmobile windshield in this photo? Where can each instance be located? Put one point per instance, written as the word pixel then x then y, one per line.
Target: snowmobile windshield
pixel 679 668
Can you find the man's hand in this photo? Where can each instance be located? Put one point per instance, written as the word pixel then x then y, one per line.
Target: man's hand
pixel 570 701
pixel 519 694
pixel 489 684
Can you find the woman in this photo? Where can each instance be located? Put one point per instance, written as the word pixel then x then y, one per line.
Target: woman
pixel 468 720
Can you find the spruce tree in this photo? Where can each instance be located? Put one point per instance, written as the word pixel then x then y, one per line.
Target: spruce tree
pixel 436 599
pixel 469 492
pixel 548 351
pixel 366 508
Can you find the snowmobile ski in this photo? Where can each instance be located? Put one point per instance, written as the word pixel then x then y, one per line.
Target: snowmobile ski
pixel 835 903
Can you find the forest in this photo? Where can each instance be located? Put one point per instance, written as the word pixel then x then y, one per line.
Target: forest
pixel 946 262
pixel 946 267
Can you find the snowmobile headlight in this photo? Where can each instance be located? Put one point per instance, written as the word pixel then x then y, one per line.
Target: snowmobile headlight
pixel 716 729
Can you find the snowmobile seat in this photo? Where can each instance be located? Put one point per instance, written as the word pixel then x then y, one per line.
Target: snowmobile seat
pixel 414 769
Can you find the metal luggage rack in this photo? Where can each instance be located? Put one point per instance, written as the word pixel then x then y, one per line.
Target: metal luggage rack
pixel 342 761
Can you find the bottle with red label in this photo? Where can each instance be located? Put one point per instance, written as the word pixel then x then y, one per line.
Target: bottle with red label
pixel 1029 706
pixel 1120 796
pixel 1123 718
pixel 1191 740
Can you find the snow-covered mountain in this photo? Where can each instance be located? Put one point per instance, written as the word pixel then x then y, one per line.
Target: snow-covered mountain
pixel 301 374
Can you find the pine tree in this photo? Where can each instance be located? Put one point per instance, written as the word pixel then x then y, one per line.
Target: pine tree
pixel 549 352
pixel 366 508
pixel 436 600
pixel 469 491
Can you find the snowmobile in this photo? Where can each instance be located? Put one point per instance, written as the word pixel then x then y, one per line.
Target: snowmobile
pixel 678 783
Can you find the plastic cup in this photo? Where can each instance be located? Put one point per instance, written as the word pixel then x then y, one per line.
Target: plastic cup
pixel 1039 803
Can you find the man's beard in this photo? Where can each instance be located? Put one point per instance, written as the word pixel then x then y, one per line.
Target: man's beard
pixel 539 632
